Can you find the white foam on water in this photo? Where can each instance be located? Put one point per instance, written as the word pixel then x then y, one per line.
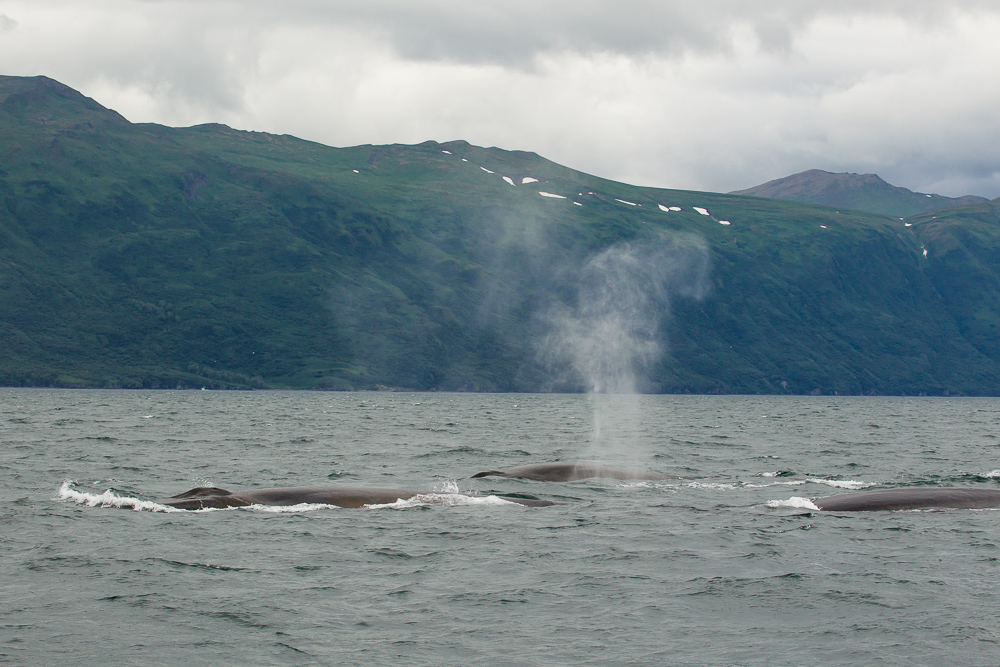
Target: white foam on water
pixel 446 499
pixel 510 180
pixel 486 170
pixel 675 208
pixel 993 474
pixel 635 484
pixel 795 502
pixel 549 194
pixel 842 483
pixel 791 482
pixel 630 203
pixel 283 509
pixel 703 211
pixel 665 209
pixel 723 486
pixel 925 252
pixel 727 486
pixel 446 152
pixel 110 499
pixel 724 222
pixel 528 179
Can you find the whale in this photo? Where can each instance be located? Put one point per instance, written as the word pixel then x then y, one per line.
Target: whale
pixel 910 499
pixel 566 472
pixel 211 497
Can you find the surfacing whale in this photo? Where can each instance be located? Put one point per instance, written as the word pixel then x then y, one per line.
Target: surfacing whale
pixel 910 499
pixel 204 497
pixel 566 472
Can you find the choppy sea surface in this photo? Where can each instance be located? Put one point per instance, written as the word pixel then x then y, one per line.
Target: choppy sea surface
pixel 727 567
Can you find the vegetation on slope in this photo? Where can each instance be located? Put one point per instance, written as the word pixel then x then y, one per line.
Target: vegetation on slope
pixel 137 255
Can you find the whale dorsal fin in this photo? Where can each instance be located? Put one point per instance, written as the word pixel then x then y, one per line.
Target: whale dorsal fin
pixel 202 491
pixel 487 473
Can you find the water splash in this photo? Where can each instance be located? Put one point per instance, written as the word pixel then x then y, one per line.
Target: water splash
pixel 795 502
pixel 110 499
pixel 445 499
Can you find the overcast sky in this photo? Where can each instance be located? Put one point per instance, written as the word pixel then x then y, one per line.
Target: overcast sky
pixel 709 95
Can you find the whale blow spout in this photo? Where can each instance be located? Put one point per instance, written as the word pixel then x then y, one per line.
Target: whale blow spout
pixel 566 472
pixel 910 499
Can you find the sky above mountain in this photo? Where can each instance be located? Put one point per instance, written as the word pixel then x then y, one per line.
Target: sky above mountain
pixel 714 95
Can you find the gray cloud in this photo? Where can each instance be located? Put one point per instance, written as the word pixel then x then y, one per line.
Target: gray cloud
pixel 512 33
pixel 708 95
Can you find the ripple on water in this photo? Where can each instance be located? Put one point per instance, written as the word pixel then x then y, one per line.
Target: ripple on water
pixel 730 567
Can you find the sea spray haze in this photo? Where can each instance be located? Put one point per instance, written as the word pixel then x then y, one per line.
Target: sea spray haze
pixel 615 326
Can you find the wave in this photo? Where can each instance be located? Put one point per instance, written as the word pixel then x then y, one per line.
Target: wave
pixel 842 483
pixel 791 482
pixel 836 483
pixel 446 499
pixel 282 509
pixel 795 502
pixel 110 499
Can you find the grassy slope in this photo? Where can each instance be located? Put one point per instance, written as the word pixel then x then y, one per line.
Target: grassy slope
pixel 139 255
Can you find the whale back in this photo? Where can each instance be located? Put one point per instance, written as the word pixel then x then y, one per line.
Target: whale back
pixel 342 496
pixel 203 492
pixel 910 499
pixel 567 472
pixel 205 497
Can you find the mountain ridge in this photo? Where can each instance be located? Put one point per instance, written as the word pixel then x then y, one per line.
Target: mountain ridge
pixel 138 255
pixel 863 192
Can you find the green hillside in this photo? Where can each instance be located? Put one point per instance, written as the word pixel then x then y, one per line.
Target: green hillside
pixel 136 255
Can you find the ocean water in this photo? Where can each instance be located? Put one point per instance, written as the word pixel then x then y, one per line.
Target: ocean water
pixel 727 567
